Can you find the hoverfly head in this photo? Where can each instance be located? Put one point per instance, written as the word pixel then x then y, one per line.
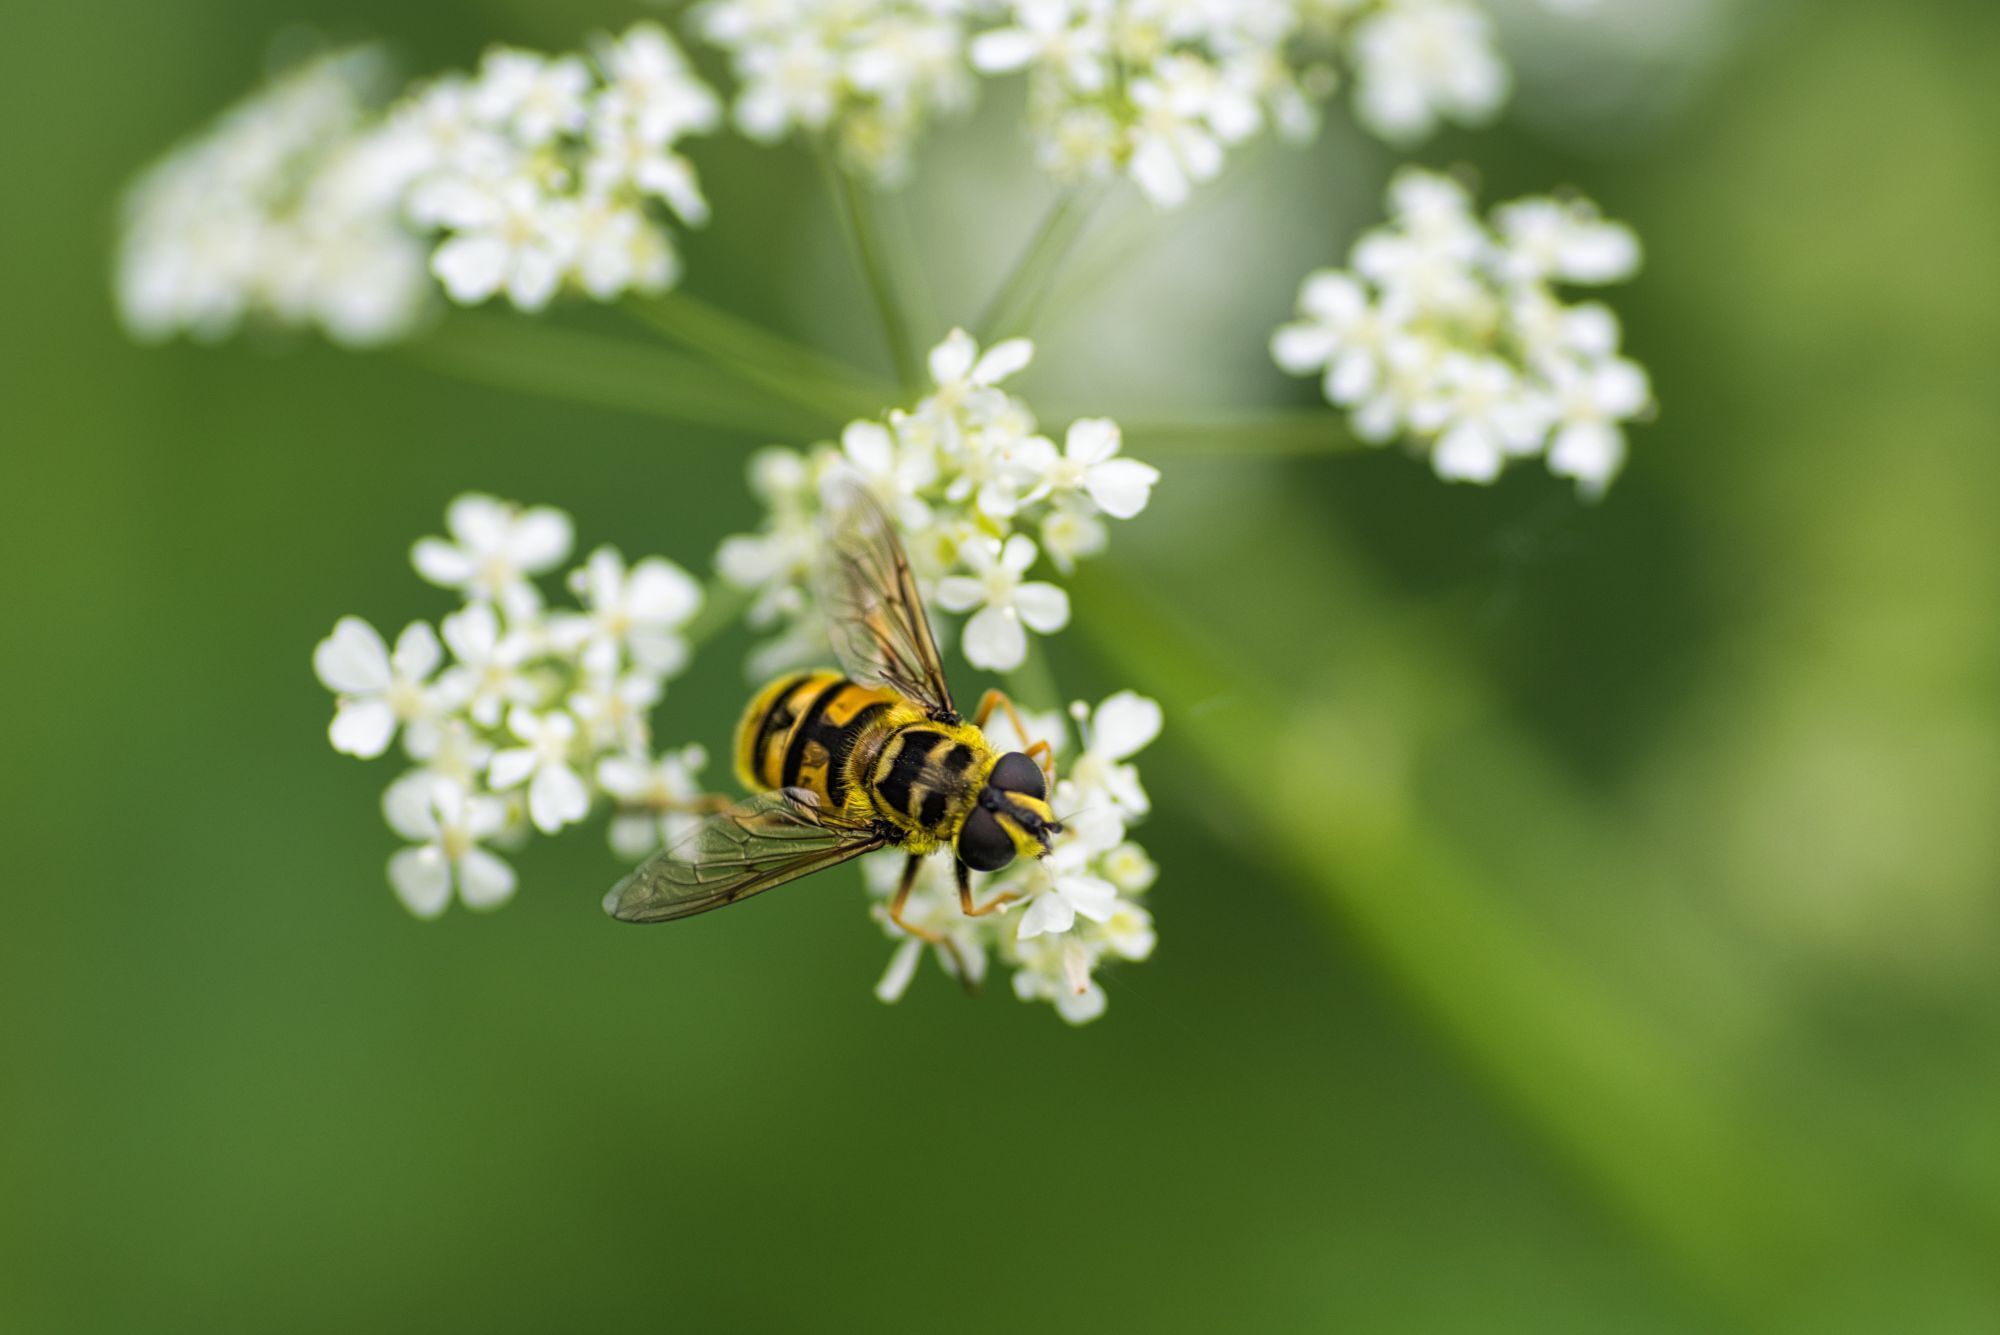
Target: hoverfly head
pixel 1012 818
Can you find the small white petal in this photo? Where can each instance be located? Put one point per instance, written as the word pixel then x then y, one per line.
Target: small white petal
pixel 362 727
pixel 995 641
pixel 1003 360
pixel 1043 607
pixel 471 267
pixel 441 563
pixel 1091 440
pixel 1121 487
pixel 484 881
pixel 960 593
pixel 508 768
pixel 556 798
pixel 952 359
pixel 902 968
pixel 417 653
pixel 1124 724
pixel 1050 912
pixel 422 880
pixel 1091 897
pixel 541 538
pixel 353 659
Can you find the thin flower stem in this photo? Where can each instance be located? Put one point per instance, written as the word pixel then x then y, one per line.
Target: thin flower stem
pixel 1021 294
pixel 863 231
pixel 793 372
pixel 722 604
pixel 1272 433
pixel 532 356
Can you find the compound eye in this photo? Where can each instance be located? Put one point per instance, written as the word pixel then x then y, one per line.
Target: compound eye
pixel 1015 773
pixel 982 844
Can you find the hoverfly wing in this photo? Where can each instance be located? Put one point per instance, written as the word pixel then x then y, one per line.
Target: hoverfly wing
pixel 764 842
pixel 873 608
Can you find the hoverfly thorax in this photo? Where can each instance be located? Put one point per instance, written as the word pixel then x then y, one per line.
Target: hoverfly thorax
pixel 1011 817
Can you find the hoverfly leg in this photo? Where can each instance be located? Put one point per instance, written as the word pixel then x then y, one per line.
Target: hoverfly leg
pixel 1041 752
pixel 965 903
pixel 911 867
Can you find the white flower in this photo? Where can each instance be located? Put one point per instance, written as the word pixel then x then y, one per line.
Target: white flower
pixel 960 370
pixel 495 548
pixel 287 209
pixel 380 691
pixel 1341 333
pixel 449 825
pixel 1489 414
pixel 536 96
pixel 1420 61
pixel 487 673
pixel 1590 401
pixel 893 475
pixel 1067 891
pixel 1455 335
pixel 1120 487
pixel 655 798
pixel 1564 241
pixel 511 237
pixel 556 795
pixel 638 612
pixel 994 637
pixel 1173 143
pixel 652 85
pixel 1060 972
pixel 1122 726
pixel 611 709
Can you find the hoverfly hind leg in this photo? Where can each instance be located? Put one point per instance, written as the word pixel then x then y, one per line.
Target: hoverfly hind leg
pixel 911 867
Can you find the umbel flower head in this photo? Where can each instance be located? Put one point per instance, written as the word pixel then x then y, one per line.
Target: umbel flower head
pixel 516 717
pixel 1156 90
pixel 984 500
pixel 282 210
pixel 521 715
pixel 311 204
pixel 1450 333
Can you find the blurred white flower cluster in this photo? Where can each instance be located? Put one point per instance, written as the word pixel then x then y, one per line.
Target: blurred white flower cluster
pixel 279 211
pixel 1080 905
pixel 543 171
pixel 1157 89
pixel 309 204
pixel 865 73
pixel 1450 333
pixel 517 717
pixel 979 495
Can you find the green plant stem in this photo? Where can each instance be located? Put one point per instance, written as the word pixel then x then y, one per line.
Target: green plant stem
pixel 799 375
pixel 534 356
pixel 1319 779
pixel 1269 433
pixel 721 605
pixel 859 224
pixel 1019 298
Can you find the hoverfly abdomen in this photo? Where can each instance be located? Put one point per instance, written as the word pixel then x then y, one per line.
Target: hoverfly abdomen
pixel 800 731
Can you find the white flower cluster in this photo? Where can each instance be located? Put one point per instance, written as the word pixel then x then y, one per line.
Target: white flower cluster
pixel 308 204
pixel 543 171
pixel 517 717
pixel 967 478
pixel 1080 905
pixel 1158 89
pixel 278 211
pixel 1450 333
pixel 866 73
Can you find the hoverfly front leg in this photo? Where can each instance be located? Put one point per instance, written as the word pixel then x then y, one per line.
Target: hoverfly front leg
pixel 913 865
pixel 1041 752
pixel 965 904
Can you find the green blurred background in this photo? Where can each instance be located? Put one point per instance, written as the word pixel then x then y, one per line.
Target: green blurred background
pixel 1573 919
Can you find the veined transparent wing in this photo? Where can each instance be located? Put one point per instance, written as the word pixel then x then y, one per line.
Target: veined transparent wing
pixel 873 608
pixel 764 842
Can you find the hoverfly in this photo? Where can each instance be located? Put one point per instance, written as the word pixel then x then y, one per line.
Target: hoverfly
pixel 847 764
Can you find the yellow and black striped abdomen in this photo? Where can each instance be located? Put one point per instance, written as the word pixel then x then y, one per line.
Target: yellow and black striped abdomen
pixel 799 731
